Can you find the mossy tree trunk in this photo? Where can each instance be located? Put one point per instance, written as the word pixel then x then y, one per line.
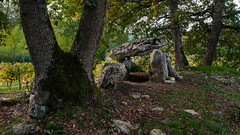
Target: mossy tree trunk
pixel 61 77
pixel 180 58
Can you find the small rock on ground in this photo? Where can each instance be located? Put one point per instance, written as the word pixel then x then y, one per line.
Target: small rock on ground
pixel 124 127
pixel 5 99
pixel 21 129
pixel 191 112
pixel 216 112
pixel 124 103
pixel 136 95
pixel 165 121
pixel 145 96
pixel 159 109
pixel 156 132
pixel 170 81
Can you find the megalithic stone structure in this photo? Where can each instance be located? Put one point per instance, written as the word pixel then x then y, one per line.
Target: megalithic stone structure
pixel 160 66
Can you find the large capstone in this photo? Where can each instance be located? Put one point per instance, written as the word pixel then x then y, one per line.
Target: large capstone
pixel 112 75
pixel 137 48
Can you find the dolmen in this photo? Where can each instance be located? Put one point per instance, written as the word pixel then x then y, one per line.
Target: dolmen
pixel 160 66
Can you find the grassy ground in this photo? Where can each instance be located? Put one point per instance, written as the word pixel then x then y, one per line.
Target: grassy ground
pixel 6 92
pixel 207 90
pixel 4 87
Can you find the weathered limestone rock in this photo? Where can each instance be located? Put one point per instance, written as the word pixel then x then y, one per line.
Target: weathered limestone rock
pixel 136 95
pixel 191 111
pixel 124 127
pixel 216 112
pixel 112 75
pixel 37 106
pixel 137 48
pixel 170 80
pixel 160 68
pixel 145 96
pixel 156 132
pixel 124 103
pixel 170 69
pixel 157 66
pixel 157 109
pixel 166 121
pixel 130 66
pixel 21 129
pixel 127 65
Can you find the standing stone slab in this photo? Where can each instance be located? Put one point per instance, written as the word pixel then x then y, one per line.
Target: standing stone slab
pixel 112 75
pixel 170 68
pixel 157 66
pixel 130 66
pixel 160 68
pixel 127 65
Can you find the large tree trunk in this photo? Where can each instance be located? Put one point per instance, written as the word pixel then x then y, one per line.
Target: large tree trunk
pixel 60 77
pixel 89 33
pixel 215 33
pixel 180 58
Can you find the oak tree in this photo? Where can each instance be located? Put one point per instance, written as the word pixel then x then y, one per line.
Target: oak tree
pixel 61 77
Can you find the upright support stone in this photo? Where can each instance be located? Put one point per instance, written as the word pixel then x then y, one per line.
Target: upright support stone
pixel 130 66
pixel 160 67
pixel 112 75
pixel 127 65
pixel 157 66
pixel 170 68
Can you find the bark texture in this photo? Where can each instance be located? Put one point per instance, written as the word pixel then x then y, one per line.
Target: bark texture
pixel 215 33
pixel 180 58
pixel 89 33
pixel 59 77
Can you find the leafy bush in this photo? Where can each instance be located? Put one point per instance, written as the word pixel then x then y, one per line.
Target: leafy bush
pixel 14 47
pixel 98 68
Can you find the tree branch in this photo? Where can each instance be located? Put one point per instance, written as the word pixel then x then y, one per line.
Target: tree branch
pixel 140 7
pixel 236 28
pixel 201 13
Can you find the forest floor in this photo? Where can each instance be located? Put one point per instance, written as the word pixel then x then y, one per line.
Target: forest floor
pixel 213 93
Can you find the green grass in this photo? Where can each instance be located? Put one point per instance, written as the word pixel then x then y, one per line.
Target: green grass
pixel 15 86
pixel 175 124
pixel 217 128
pixel 54 128
pixel 194 123
pixel 7 89
pixel 182 92
pixel 219 69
